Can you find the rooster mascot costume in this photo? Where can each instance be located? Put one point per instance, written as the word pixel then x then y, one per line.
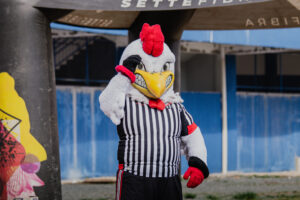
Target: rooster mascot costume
pixel 153 125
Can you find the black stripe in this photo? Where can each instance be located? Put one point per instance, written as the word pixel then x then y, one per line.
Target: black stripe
pixel 140 135
pixel 164 142
pixel 145 140
pixel 127 131
pixel 158 132
pixel 173 139
pixel 148 129
pixel 122 141
pixel 189 117
pixel 178 136
pixel 180 126
pixel 169 136
pixel 151 142
pixel 184 124
pixel 132 135
pixel 178 120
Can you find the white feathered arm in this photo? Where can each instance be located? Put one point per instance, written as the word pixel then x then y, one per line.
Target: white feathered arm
pixel 112 99
pixel 194 145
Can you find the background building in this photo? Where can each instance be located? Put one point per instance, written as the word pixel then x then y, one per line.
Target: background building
pixel 263 103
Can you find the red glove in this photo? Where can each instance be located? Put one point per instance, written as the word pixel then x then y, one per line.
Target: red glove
pixel 196 177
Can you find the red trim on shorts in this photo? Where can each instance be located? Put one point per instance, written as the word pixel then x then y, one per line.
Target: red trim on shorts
pixel 119 182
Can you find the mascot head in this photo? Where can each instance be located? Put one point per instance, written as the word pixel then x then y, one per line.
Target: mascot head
pixel 155 73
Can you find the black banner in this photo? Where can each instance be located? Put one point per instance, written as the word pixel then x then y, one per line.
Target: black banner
pixel 139 5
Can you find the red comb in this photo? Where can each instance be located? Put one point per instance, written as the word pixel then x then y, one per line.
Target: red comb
pixel 152 39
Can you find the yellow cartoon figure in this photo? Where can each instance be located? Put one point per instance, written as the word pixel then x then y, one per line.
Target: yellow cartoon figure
pixel 21 154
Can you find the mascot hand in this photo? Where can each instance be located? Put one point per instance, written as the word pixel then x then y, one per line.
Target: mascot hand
pixel 112 99
pixel 132 62
pixel 196 177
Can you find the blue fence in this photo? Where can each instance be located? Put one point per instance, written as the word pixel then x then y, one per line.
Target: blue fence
pixel 265 136
pixel 268 132
pixel 89 141
pixel 206 111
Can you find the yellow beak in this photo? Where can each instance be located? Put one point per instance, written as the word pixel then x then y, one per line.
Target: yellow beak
pixel 153 85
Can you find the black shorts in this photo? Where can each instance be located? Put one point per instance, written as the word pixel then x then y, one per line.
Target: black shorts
pixel 132 187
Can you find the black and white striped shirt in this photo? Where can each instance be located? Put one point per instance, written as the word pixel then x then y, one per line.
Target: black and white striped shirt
pixel 149 143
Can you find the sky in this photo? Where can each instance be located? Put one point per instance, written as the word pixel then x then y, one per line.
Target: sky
pixel 279 38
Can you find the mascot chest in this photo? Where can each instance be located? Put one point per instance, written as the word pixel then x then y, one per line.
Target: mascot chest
pixel 142 120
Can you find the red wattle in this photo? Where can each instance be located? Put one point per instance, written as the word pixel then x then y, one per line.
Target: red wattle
pixel 158 104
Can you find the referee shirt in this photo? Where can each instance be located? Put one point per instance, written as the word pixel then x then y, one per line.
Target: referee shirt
pixel 149 143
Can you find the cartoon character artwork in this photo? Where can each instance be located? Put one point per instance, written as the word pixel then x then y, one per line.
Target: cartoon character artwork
pixel 20 153
pixel 152 123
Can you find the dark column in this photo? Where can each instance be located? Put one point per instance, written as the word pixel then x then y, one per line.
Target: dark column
pixel 231 111
pixel 26 55
pixel 271 78
pixel 172 24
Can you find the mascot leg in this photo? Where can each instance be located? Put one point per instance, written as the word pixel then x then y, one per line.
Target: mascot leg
pixel 132 187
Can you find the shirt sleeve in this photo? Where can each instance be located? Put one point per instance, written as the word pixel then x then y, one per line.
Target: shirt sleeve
pixel 187 122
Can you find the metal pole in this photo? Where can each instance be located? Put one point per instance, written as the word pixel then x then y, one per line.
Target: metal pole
pixel 28 112
pixel 224 112
pixel 87 66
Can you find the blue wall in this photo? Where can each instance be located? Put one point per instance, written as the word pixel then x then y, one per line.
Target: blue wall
pixel 268 132
pixel 264 131
pixel 205 109
pixel 88 147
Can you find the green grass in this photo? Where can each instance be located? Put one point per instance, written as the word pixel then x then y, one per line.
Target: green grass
pixel 189 195
pixel 96 199
pixel 212 197
pixel 284 197
pixel 246 196
pixel 266 176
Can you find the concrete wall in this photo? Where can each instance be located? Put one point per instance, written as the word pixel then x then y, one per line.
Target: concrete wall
pixel 200 72
pixel 245 65
pixel 289 63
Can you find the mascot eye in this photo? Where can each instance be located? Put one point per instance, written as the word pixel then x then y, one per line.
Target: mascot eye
pixel 141 66
pixel 166 66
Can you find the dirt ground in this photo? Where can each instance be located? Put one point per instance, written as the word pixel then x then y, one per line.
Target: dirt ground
pixel 216 187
